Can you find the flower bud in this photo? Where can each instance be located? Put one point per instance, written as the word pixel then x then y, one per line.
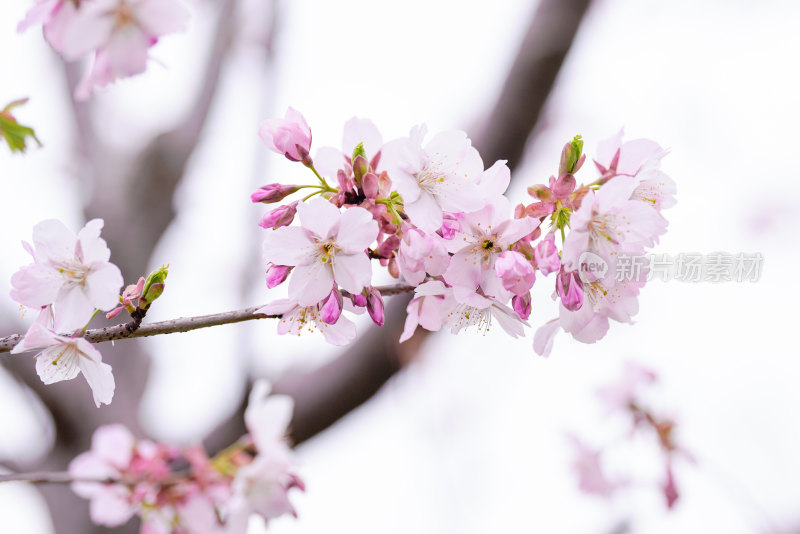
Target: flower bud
pixel 564 185
pixel 280 216
pixel 389 245
pixel 153 286
pixel 277 274
pixel 522 305
pixel 545 254
pixel 331 308
pixel 571 157
pixel 570 289
pixel 541 192
pixel 375 306
pixel 289 136
pixel 360 168
pixel 370 186
pixel 359 300
pixel 515 271
pixel 273 193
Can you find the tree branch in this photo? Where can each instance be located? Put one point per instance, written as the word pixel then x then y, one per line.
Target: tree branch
pixel 133 329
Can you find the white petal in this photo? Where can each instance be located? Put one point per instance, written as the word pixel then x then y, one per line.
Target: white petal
pixel 357 230
pixel 361 131
pixel 36 285
pixel 94 248
pixel 58 363
pixel 98 375
pixel 288 245
pixel 319 216
pixel 309 284
pixel 53 240
pixel 103 284
pixel 73 309
pixel 339 334
pixel 544 337
pixel 160 17
pixel 425 212
pixel 352 271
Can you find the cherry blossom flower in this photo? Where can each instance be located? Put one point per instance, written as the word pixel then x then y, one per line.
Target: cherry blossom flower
pixel 120 32
pixel 545 254
pixel 71 272
pixel 515 272
pixel 592 478
pixel 55 16
pixel 290 136
pixel 420 254
pixel 329 160
pixel 484 235
pixel 262 487
pixel 428 311
pixel 328 247
pixel 440 176
pixel 111 454
pixel 296 318
pixel 609 222
pixel 63 358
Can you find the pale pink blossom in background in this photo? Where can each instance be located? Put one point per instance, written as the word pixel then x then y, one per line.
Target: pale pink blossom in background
pixel 289 137
pixel 329 246
pixel 110 456
pixel 55 16
pixel 71 272
pixel 440 176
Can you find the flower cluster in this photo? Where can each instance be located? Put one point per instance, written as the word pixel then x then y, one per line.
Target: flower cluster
pixel 626 399
pixel 117 34
pixel 178 491
pixel 69 280
pixel 431 213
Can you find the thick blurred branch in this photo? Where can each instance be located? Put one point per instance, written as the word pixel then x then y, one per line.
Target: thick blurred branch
pixel 325 395
pixel 184 324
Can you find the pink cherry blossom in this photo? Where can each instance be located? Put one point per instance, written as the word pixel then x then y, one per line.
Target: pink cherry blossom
pixel 484 235
pixel 592 478
pixel 420 254
pixel 71 272
pixel 609 222
pixel 440 176
pixel 262 487
pixel 328 247
pixel 120 32
pixel 112 450
pixel 545 254
pixel 55 16
pixel 296 318
pixel 290 136
pixel 427 311
pixel 280 216
pixel 63 358
pixel 515 272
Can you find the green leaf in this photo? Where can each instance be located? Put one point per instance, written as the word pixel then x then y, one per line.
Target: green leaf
pixel 359 151
pixel 14 133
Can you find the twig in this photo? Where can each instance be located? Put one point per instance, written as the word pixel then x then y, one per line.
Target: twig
pixel 183 324
pixel 50 477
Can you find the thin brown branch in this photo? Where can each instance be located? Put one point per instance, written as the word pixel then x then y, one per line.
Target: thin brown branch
pixel 48 477
pixel 182 324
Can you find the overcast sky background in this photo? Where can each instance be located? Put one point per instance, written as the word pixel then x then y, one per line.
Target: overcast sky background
pixel 472 437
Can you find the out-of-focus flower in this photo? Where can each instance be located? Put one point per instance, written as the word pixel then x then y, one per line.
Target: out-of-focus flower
pixel 71 272
pixel 120 32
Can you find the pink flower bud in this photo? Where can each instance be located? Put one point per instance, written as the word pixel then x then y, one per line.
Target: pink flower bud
pixel 522 305
pixel 375 306
pixel 389 245
pixel 281 216
pixel 369 184
pixel 450 225
pixel 331 308
pixel 360 168
pixel 546 255
pixel 289 136
pixel 273 193
pixel 515 271
pixel 277 274
pixel 570 289
pixel 564 185
pixel 359 300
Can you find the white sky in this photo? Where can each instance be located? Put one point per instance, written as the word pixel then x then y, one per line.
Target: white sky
pixel 471 438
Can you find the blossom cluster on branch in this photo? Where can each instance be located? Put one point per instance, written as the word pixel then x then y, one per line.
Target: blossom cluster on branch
pixel 183 491
pixel 430 213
